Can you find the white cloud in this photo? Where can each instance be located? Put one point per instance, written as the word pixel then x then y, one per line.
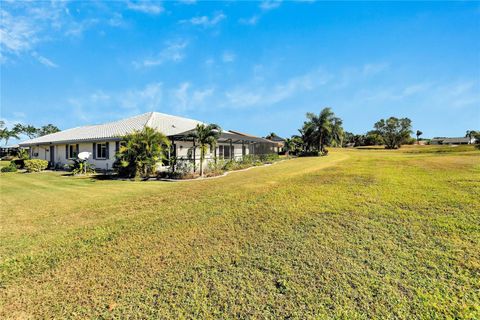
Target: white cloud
pixel 270 4
pixel 250 21
pixel 263 96
pixel 228 56
pixel 185 99
pixel 16 35
pixel 25 25
pixel 45 61
pixel 374 68
pixel 206 21
pixel 148 98
pixel 173 52
pixel 146 7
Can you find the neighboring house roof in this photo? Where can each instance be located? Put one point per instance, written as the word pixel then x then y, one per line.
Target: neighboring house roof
pixel 452 140
pixel 167 124
pixel 14 146
pixel 277 139
pixel 225 136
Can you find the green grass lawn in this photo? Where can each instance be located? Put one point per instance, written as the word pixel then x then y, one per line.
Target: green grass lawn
pixel 357 234
pixel 4 163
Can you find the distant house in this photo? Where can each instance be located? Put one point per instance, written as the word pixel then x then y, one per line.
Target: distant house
pixel 279 143
pixel 103 141
pixel 452 141
pixel 8 150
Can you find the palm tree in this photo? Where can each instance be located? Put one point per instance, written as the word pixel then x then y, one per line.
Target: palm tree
pixel 271 135
pixel 6 134
pixel 141 151
pixel 288 146
pixel 206 136
pixel 30 131
pixel 337 131
pixel 418 134
pixel 326 128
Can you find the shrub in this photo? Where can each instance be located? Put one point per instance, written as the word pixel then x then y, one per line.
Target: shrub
pixel 269 157
pixel 10 168
pixel 19 163
pixel 141 152
pixel 309 154
pixel 80 167
pixel 36 165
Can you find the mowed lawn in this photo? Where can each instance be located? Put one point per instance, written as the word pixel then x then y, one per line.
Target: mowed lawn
pixel 357 234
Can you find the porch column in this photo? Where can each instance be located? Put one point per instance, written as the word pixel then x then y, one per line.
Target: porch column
pixel 231 153
pixel 172 164
pixel 194 158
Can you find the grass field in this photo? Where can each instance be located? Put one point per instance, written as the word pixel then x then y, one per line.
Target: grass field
pixel 359 234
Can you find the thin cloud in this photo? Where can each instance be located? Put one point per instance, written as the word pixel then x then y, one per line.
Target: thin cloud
pixel 25 25
pixel 43 60
pixel 187 1
pixel 250 21
pixel 146 7
pixel 173 52
pixel 251 96
pixel 206 21
pixel 228 56
pixel 270 4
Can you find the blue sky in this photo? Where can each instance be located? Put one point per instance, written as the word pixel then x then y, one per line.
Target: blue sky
pixel 255 67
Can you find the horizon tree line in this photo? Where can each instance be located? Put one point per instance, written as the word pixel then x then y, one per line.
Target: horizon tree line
pixel 30 131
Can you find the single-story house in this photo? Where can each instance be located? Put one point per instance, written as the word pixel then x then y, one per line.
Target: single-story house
pixel 455 141
pixel 103 141
pixel 279 143
pixel 8 150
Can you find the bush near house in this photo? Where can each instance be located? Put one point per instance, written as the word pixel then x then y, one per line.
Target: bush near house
pixel 36 165
pixel 10 168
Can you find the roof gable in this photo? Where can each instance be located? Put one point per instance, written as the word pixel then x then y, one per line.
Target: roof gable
pixel 167 124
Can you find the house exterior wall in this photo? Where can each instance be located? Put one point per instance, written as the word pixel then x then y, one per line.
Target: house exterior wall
pixel 181 152
pixel 60 155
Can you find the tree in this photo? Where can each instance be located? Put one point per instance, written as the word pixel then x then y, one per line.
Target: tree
pixel 372 138
pixel 394 131
pixel 30 131
pixel 140 152
pixel 289 145
pixel 476 135
pixel 323 128
pixel 206 136
pixel 472 134
pixel 6 134
pixel 418 134
pixel 271 135
pixel 48 129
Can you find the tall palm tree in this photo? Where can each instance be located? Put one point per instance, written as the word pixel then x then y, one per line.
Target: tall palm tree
pixel 323 125
pixel 206 136
pixel 6 134
pixel 337 131
pixel 30 131
pixel 418 134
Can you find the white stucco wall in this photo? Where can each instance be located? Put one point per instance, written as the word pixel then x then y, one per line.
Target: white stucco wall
pixel 182 148
pixel 60 156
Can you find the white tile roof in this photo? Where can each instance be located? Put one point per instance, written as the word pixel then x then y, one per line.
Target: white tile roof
pixel 167 124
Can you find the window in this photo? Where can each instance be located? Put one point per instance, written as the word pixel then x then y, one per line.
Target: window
pixel 244 150
pixel 220 152
pixel 72 151
pixel 226 152
pixel 101 150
